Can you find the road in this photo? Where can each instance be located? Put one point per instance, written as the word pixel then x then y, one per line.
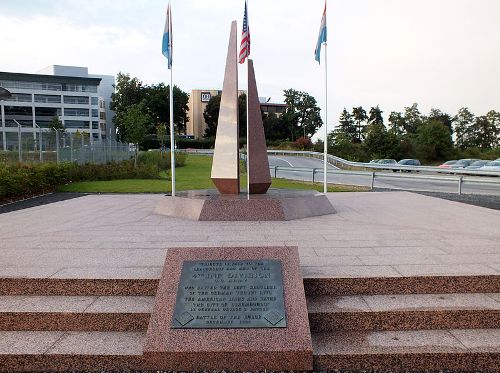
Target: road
pixel 391 180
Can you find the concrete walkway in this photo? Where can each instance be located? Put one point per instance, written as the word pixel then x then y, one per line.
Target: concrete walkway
pixel 389 234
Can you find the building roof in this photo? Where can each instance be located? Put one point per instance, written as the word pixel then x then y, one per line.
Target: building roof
pixel 40 78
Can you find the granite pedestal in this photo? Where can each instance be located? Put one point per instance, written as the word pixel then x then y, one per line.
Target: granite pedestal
pixel 285 348
pixel 276 204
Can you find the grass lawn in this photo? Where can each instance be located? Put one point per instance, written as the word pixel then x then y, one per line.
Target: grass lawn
pixel 194 175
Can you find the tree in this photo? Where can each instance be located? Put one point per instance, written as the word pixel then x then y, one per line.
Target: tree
pixel 302 113
pixel 211 116
pixel 274 127
pixel 156 99
pixel 375 116
pixel 432 140
pixel 136 121
pixel 485 130
pixel 412 119
pixel 397 124
pixel 463 122
pixel 56 125
pixel 360 117
pixel 346 125
pixel 380 143
pixel 157 102
pixel 128 91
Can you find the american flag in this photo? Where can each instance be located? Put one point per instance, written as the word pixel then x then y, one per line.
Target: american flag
pixel 245 38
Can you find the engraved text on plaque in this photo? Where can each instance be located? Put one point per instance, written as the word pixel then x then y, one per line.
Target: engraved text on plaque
pixel 230 294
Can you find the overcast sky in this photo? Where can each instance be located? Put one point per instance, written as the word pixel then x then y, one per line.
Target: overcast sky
pixel 439 53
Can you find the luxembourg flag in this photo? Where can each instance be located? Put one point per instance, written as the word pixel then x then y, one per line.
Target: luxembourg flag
pixel 321 37
pixel 166 46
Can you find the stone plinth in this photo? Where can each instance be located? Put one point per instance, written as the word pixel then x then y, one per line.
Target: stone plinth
pixel 277 204
pixel 244 349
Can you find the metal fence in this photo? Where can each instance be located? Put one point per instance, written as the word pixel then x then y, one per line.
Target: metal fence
pixel 26 144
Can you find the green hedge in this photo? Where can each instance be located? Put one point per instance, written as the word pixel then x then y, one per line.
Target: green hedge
pixel 160 160
pixel 26 180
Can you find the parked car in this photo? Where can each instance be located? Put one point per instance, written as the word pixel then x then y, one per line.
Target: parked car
pixel 374 161
pixel 448 164
pixel 476 165
pixel 462 163
pixel 409 162
pixel 491 166
pixel 387 161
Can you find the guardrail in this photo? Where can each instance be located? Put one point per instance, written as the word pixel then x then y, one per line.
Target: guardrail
pixel 333 160
pixel 336 161
pixel 460 180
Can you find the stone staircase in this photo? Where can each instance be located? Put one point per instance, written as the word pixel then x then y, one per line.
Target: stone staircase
pixel 384 324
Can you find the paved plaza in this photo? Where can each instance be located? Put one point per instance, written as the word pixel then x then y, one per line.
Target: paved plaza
pixel 389 234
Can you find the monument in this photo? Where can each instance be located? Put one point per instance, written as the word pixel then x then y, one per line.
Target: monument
pixel 226 203
pixel 236 309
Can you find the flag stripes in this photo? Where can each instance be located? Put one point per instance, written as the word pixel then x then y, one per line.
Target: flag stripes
pixel 245 37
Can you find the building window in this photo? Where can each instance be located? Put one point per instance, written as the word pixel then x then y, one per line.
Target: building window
pixel 50 112
pixel 95 113
pixel 19 97
pixel 94 101
pixel 18 110
pixel 53 99
pixel 81 100
pixel 102 115
pixel 95 125
pixel 76 124
pixel 71 112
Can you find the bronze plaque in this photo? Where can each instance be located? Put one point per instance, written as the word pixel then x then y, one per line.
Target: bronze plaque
pixel 230 294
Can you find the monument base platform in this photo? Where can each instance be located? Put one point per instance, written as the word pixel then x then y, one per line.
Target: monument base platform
pixel 256 348
pixel 276 204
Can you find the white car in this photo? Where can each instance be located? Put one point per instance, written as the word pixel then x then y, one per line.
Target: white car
pixel 491 166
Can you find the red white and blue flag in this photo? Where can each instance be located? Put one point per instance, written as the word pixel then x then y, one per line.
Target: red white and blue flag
pixel 245 37
pixel 321 37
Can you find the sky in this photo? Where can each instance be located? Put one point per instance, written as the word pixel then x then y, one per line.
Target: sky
pixel 438 53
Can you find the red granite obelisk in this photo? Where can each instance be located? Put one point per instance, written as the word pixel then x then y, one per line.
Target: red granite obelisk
pixel 258 163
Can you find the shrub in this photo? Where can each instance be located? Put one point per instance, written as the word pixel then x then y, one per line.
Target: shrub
pixel 161 161
pixel 303 143
pixel 24 180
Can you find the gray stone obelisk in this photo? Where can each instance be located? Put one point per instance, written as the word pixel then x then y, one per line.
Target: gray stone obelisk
pixel 258 163
pixel 225 166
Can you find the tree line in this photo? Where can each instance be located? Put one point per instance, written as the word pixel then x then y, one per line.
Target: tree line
pixel 301 117
pixel 362 135
pixel 142 111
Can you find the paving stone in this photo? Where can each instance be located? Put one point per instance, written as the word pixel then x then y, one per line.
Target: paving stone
pixel 99 343
pixel 27 342
pixel 121 304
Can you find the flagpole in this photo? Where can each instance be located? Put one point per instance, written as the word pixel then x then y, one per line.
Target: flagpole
pixel 325 145
pixel 248 143
pixel 172 140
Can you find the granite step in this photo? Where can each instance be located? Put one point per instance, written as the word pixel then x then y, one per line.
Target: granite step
pixel 454 349
pixel 75 313
pixel 414 350
pixel 59 351
pixel 115 286
pixel 329 283
pixel 404 311
pixel 120 283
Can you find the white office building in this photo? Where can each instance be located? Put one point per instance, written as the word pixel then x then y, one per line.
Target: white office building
pixel 80 100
